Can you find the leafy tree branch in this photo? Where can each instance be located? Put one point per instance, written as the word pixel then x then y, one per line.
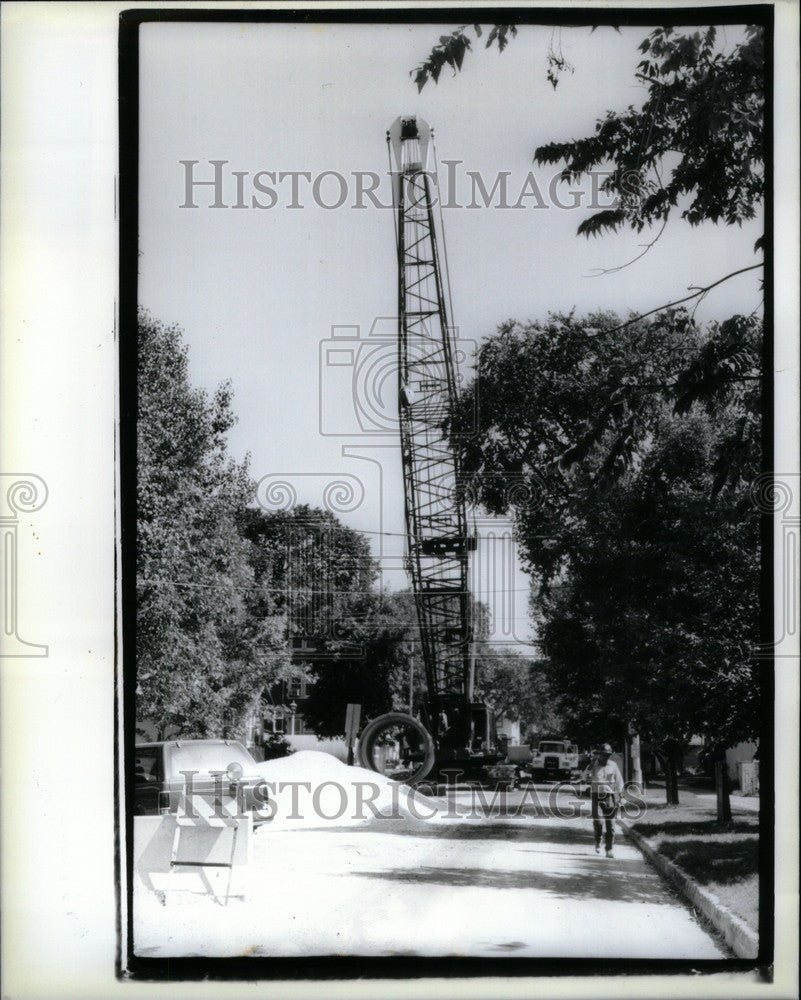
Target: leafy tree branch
pixel 696 292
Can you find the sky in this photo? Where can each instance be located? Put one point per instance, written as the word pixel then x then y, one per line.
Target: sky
pixel 261 292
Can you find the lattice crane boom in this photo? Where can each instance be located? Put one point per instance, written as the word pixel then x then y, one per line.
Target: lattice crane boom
pixel 456 731
pixel 436 520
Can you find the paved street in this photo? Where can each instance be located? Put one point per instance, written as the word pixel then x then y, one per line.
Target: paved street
pixel 529 886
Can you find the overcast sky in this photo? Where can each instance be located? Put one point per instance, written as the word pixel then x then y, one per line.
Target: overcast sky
pixel 258 291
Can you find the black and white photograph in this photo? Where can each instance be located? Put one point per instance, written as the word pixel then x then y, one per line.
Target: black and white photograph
pixel 449 569
pixel 450 440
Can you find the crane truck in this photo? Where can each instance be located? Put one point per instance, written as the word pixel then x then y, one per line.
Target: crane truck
pixel 454 732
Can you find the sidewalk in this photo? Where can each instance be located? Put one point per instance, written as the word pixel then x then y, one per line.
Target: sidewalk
pixel 714 865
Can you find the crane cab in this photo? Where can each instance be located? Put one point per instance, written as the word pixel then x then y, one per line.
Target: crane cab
pixel 409 138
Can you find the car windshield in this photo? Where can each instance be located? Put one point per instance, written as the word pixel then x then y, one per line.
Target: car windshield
pixel 145 764
pixel 551 747
pixel 206 757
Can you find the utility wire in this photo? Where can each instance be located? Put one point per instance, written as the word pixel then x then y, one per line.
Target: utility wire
pixel 301 592
pixel 392 187
pixel 442 230
pixel 404 534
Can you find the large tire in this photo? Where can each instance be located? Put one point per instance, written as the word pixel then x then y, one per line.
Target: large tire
pixel 373 730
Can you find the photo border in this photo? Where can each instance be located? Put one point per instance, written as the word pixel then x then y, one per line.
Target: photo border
pixel 134 967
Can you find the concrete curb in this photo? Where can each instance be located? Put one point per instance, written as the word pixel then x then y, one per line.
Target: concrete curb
pixel 743 941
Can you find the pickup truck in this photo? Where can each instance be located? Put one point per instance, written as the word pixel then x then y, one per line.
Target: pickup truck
pixel 221 769
pixel 554 759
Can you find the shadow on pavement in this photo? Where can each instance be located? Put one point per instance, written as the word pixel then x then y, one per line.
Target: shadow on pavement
pixel 592 878
pixel 546 833
pixel 552 832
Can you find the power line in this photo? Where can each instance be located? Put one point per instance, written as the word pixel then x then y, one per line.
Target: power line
pixel 442 230
pixel 404 534
pixel 300 592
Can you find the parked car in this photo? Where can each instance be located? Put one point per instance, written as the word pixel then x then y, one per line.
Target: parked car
pixel 217 768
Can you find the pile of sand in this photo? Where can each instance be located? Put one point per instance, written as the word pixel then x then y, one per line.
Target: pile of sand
pixel 310 789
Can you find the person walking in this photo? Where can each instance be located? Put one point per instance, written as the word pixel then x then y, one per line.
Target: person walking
pixel 606 784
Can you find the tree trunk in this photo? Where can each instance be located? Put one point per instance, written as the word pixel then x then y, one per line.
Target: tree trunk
pixel 668 756
pixel 673 795
pixel 671 779
pixel 722 789
pixel 636 765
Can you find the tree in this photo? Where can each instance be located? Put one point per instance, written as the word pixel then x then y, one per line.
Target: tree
pixel 353 642
pixel 632 512
pixel 659 612
pixel 451 50
pixel 313 566
pixel 203 656
pixel 702 120
pixel 516 688
pixel 377 663
pixel 557 412
pixel 321 576
pixel 371 664
pixel 583 417
pixel 698 137
pixel 696 143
